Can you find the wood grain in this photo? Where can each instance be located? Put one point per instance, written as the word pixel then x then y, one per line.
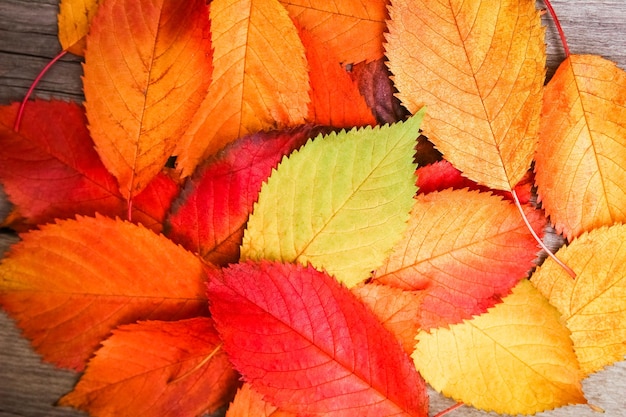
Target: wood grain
pixel 28 41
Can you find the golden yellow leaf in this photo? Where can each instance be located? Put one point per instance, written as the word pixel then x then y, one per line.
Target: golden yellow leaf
pixel 581 155
pixel 515 359
pixel 260 78
pixel 146 73
pixel 479 68
pixel 594 304
pixel 74 19
pixel 353 29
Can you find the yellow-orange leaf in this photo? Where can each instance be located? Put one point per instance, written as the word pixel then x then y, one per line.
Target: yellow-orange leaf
pixel 353 29
pixel 479 68
pixel 70 283
pixel 396 309
pixel 260 78
pixel 515 359
pixel 594 304
pixel 581 155
pixel 249 403
pixel 74 19
pixel 147 69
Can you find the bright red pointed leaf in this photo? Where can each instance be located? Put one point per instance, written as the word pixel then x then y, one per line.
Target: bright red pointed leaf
pixel 157 368
pixel 210 216
pixel 68 284
pixel 465 249
pixel 397 310
pixel 307 344
pixel 442 174
pixel 335 97
pixel 50 170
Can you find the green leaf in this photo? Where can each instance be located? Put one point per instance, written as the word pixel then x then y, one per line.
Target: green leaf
pixel 340 203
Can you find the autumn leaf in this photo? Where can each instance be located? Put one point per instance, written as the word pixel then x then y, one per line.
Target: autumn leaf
pixel 74 19
pixel 465 249
pixel 581 158
pixel 210 215
pixel 51 171
pixel 442 175
pixel 518 358
pixel 397 310
pixel 249 403
pixel 479 68
pixel 335 97
pixel 260 78
pixel 156 368
pixel 352 29
pixel 146 73
pixel 339 203
pixel 89 275
pixel 593 305
pixel 376 86
pixel 304 342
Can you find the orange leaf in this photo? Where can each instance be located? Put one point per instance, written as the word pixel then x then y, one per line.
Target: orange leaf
pixel 353 29
pixel 70 283
pixel 260 78
pixel 581 158
pixel 249 403
pixel 146 73
pixel 479 68
pixel 465 249
pixel 335 98
pixel 157 368
pixel 397 310
pixel 74 19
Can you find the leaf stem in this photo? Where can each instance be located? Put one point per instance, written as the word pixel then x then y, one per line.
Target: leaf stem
pixel 567 269
pixel 20 112
pixel 555 19
pixel 449 409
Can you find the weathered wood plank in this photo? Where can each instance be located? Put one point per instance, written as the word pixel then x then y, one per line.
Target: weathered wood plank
pixel 27 43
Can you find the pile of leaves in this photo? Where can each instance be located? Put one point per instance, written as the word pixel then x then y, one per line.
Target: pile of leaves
pixel 238 216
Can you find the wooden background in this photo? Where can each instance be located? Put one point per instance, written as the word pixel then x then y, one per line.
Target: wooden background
pixel 28 41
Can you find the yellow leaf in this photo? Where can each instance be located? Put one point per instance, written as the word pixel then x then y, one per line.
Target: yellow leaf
pixel 352 29
pixel 594 304
pixel 340 203
pixel 479 68
pixel 260 78
pixel 146 73
pixel 515 359
pixel 74 20
pixel 581 155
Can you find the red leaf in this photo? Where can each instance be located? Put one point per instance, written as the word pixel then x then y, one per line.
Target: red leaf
pixel 442 175
pixel 335 98
pixel 307 344
pixel 50 170
pixel 157 368
pixel 210 216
